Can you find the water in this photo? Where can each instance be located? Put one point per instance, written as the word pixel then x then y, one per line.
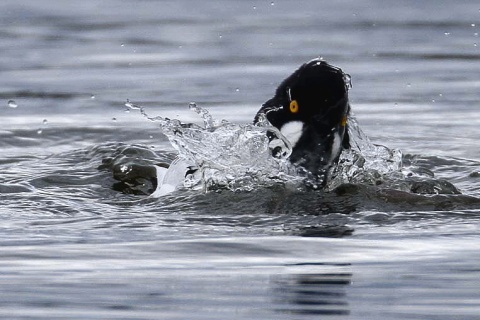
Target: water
pixel 73 247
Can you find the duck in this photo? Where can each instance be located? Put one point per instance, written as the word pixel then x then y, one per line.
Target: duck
pixel 311 108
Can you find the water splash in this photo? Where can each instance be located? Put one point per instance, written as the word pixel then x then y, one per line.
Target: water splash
pixel 365 162
pixel 226 155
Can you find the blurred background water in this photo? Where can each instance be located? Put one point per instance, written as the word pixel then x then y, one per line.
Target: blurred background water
pixel 72 247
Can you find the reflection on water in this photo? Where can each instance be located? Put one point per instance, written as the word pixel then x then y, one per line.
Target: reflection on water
pixel 313 294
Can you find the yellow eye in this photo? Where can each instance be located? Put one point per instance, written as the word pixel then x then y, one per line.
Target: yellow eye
pixel 294 106
pixel 344 121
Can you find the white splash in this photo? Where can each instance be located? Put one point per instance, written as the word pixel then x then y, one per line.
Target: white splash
pixel 365 162
pixel 224 155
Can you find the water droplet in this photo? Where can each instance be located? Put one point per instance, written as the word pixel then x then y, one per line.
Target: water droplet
pixel 409 85
pixel 272 3
pixel 475 34
pixel 45 122
pixel 395 104
pixel 39 131
pixel 474 44
pixel 122 45
pixel 348 80
pixel 220 36
pixel 440 94
pixel 131 105
pixel 12 104
pixel 114 119
pixel 92 96
pixel 254 7
pixel 446 33
pixel 237 89
pixel 433 100
pixel 472 25
pixel 151 137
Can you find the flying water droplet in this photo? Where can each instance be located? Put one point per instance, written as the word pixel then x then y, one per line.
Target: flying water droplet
pixel 92 96
pixel 44 125
pixel 446 33
pixel 114 119
pixel 237 89
pixel 254 7
pixel 12 104
pixel 272 3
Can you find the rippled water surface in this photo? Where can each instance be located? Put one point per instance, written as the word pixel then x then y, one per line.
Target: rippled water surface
pixel 72 246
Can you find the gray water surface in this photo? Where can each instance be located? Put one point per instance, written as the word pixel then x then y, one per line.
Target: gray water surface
pixel 71 247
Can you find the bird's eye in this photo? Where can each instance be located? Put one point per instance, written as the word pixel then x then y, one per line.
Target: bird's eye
pixel 294 106
pixel 344 121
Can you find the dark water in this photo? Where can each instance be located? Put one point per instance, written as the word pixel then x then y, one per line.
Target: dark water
pixel 71 247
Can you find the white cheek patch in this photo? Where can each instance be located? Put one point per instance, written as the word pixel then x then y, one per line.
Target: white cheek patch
pixel 292 130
